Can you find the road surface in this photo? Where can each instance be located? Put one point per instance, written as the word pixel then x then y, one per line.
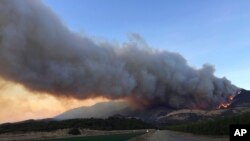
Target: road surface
pixel 165 135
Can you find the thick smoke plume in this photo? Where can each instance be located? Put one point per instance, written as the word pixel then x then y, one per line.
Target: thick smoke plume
pixel 40 52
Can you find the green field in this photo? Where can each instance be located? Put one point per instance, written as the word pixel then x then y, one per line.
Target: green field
pixel 116 137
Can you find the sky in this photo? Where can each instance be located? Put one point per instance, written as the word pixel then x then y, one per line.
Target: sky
pixel 214 32
pixel 17 103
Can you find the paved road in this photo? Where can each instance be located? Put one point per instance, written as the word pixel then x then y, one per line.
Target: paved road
pixel 165 135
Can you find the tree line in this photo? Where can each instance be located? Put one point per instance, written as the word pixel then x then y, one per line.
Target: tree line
pixel 218 126
pixel 112 123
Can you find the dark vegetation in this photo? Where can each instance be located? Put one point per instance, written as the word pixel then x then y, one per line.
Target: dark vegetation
pixel 74 131
pixel 112 123
pixel 116 137
pixel 219 126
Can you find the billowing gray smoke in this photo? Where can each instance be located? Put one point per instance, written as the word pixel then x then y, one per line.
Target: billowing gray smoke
pixel 42 54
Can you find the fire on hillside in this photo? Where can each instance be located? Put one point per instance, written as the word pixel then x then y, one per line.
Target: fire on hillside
pixel 228 102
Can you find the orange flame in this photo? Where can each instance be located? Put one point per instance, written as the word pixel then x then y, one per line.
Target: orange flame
pixel 231 98
pixel 225 105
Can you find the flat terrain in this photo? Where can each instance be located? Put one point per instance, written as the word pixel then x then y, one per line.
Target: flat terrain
pixel 165 135
pixel 127 135
pixel 116 137
pixel 62 135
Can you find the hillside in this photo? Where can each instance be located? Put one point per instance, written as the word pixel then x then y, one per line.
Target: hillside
pixel 218 126
pixel 99 110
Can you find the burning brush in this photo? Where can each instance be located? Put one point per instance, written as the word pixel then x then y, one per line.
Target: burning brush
pixel 228 102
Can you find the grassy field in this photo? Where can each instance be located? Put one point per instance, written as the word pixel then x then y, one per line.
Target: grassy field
pixel 116 137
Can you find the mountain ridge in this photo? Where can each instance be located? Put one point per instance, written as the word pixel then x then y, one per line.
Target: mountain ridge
pixel 159 115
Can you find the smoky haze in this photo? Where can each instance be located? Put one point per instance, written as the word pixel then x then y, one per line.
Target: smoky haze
pixel 38 51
